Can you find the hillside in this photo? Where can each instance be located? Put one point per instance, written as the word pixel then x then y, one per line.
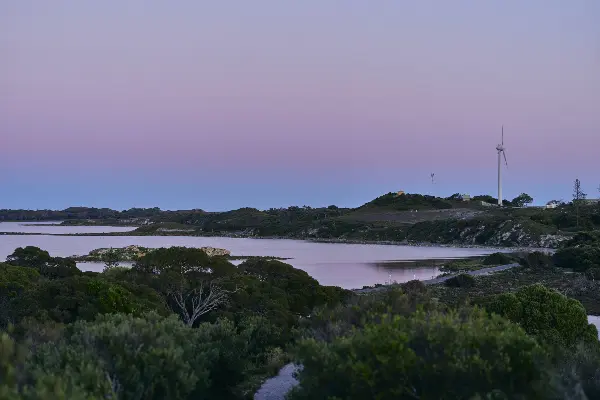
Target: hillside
pixel 406 218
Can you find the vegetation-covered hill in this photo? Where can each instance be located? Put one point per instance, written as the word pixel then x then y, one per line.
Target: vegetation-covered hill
pixel 389 218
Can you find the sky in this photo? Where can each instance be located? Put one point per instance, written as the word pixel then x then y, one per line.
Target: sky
pixel 220 105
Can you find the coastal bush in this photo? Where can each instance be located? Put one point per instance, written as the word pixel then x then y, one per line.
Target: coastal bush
pixel 462 281
pixel 67 300
pixel 414 287
pixel 583 238
pixel 302 291
pixel 47 266
pixel 425 355
pixel 593 274
pixel 545 314
pixel 580 258
pixel 182 260
pixel 538 260
pixel 145 357
pixel 461 265
pixel 579 367
pixel 409 201
pixel 497 259
pixel 14 280
pixel 329 322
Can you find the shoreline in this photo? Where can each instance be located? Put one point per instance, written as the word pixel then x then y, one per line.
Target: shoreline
pixel 315 240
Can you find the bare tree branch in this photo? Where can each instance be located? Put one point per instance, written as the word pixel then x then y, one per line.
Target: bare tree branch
pixel 193 303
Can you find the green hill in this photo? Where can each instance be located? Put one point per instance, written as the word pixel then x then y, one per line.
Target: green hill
pixel 388 218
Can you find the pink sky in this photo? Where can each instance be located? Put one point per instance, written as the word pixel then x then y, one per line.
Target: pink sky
pixel 339 95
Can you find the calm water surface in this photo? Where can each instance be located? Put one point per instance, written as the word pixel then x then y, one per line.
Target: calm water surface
pixel 345 265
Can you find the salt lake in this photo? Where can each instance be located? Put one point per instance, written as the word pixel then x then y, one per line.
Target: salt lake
pixel 339 264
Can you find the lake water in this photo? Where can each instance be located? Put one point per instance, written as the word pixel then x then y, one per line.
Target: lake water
pixel 595 319
pixel 345 265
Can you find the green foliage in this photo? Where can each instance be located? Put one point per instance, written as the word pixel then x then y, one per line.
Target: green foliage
pixel 67 300
pixel 579 367
pixel 115 273
pixel 583 239
pixel 14 280
pixel 580 258
pixel 539 260
pixel 18 383
pixel 29 256
pixel 545 314
pixel 182 260
pixel 426 355
pixel 406 202
pixel 146 357
pixel 461 280
pixel 522 200
pixel 330 322
pixel 462 265
pixel 302 291
pixel 497 259
pixel 593 274
pixel 111 258
pixel 47 266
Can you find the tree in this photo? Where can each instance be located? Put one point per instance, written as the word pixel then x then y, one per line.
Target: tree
pixel 425 356
pixel 522 200
pixel 110 259
pixel 81 297
pixel 192 303
pixel 50 267
pixel 578 196
pixel 29 256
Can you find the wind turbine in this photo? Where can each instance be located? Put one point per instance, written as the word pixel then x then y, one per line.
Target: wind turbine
pixel 501 152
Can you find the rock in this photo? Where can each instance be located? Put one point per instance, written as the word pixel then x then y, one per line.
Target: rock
pixel 133 253
pixel 213 251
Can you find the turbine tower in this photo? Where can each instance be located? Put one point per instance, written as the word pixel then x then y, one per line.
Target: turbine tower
pixel 501 152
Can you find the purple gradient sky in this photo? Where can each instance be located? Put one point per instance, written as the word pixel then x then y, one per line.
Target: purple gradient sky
pixel 218 105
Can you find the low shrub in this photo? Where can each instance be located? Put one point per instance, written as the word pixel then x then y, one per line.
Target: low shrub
pixel 462 281
pixel 464 355
pixel 539 260
pixel 497 259
pixel 593 274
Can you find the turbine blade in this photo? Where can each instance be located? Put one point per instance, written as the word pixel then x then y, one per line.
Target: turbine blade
pixel 504 154
pixel 502 135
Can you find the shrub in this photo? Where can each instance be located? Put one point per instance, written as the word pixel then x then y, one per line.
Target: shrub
pixel 414 286
pixel 539 260
pixel 593 274
pixel 428 356
pixel 462 281
pixel 579 258
pixel 497 259
pixel 327 323
pixel 545 314
pixel 70 299
pixel 151 357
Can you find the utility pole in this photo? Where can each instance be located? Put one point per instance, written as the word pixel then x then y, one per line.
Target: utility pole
pixel 578 195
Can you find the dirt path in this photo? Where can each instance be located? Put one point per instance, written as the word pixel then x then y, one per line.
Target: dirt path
pixel 277 387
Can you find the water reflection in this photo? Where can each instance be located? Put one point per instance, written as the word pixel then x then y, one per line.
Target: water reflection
pixel 346 265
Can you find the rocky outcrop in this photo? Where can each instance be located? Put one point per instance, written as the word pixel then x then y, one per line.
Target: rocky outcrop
pixel 133 253
pixel 213 251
